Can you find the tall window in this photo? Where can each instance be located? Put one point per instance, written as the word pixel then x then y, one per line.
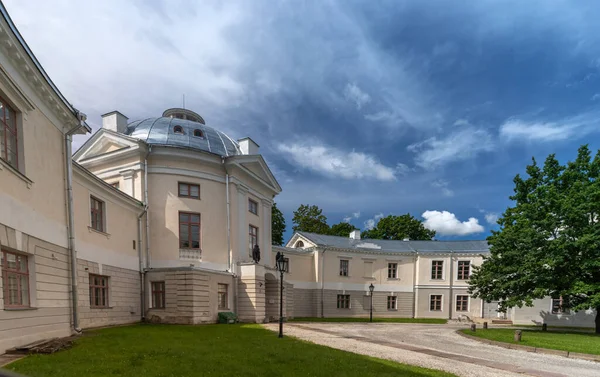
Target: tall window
pixel 223 300
pixel 252 237
pixel 189 230
pixel 435 303
pixel 98 291
pixel 464 267
pixel 15 279
pixel 462 303
pixel 158 294
pixel 343 301
pixel 253 206
pixel 392 302
pixel 560 305
pixel 437 267
pixel 97 213
pixel 392 270
pixel 188 190
pixel 344 264
pixel 8 135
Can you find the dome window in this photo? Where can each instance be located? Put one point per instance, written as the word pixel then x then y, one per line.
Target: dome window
pixel 198 133
pixel 178 130
pixel 299 244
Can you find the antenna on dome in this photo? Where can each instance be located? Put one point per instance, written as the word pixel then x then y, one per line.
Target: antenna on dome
pixel 183 101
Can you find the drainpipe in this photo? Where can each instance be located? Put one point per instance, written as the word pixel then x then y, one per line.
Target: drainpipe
pixel 451 283
pixel 415 271
pixel 146 207
pixel 229 256
pixel 141 266
pixel 71 216
pixel 322 282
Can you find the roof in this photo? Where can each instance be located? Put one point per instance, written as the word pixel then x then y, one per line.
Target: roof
pixel 160 131
pixel 398 246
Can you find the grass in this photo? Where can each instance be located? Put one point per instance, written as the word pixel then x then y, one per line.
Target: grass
pixel 386 320
pixel 208 350
pixel 557 340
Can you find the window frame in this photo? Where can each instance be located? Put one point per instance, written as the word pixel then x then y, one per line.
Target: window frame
pixel 219 296
pixel 14 132
pixel 439 269
pixel 158 289
pixel 253 203
pixel 197 130
pixel 560 309
pixel 95 223
pixel 433 308
pixel 394 301
pixel 343 301
pixel 345 271
pixel 465 300
pixel 190 224
pixel 189 190
pixel 394 270
pixel 103 288
pixel 6 271
pixel 463 273
pixel 252 237
pixel 178 130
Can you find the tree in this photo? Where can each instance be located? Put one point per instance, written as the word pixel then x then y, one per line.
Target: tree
pixel 342 229
pixel 277 226
pixel 398 228
pixel 548 243
pixel 310 219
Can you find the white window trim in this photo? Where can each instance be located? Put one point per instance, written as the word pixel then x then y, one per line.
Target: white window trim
pixel 364 264
pixel 340 268
pixel 395 302
pixel 468 303
pixel 441 305
pixel 443 269
pixel 558 314
pixel 470 268
pixel 388 271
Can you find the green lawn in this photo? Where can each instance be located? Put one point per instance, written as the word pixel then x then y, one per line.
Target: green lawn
pixel 558 340
pixel 387 320
pixel 208 350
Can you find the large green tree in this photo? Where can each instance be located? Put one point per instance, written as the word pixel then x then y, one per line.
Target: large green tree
pixel 310 218
pixel 548 243
pixel 277 226
pixel 399 227
pixel 342 229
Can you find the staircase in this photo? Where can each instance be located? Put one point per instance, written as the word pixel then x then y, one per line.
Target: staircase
pixel 502 322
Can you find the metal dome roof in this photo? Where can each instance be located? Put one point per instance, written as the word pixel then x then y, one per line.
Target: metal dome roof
pixel 162 131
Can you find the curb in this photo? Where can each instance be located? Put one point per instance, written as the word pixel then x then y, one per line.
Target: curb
pixel 546 351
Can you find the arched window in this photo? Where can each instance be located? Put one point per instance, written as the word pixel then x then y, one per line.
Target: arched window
pixel 198 133
pixel 178 130
pixel 299 244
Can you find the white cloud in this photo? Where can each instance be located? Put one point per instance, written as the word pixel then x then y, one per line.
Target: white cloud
pixel 491 218
pixel 337 163
pixel 595 97
pixel 370 223
pixel 548 131
pixel 355 215
pixel 443 186
pixel 353 94
pixel 446 224
pixel 402 169
pixel 460 145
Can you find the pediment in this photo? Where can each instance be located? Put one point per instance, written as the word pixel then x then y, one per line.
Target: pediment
pixel 293 242
pixel 104 143
pixel 257 169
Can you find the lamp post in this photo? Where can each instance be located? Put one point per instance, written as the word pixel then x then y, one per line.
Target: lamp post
pixel 371 289
pixel 280 264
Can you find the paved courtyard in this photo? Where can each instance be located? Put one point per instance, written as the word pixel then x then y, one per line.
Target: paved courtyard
pixel 438 347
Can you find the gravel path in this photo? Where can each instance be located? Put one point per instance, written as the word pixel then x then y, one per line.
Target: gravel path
pixel 437 347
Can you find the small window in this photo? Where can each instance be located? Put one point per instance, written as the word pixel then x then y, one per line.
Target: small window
pixel 189 190
pixel 560 305
pixel 15 279
pixel 392 302
pixel 158 294
pixel 435 303
pixel 253 238
pixel 8 135
pixel 223 299
pixel 343 301
pixel 462 303
pixel 437 267
pixel 198 133
pixel 189 230
pixel 299 244
pixel 178 130
pixel 253 206
pixel 344 264
pixel 97 213
pixel 98 291
pixel 464 267
pixel 392 270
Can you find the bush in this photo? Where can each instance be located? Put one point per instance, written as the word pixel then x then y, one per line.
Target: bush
pixel 227 317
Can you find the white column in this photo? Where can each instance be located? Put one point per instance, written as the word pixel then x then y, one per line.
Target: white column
pixel 243 253
pixel 265 233
pixel 127 183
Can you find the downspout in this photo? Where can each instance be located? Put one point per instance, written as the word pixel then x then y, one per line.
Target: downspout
pixel 141 266
pixel 451 284
pixel 229 256
pixel 415 270
pixel 322 282
pixel 146 201
pixel 71 217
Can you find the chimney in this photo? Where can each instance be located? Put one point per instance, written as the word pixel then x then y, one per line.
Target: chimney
pixel 248 146
pixel 114 121
pixel 406 239
pixel 355 234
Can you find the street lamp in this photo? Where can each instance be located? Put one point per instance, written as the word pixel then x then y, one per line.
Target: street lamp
pixel 280 264
pixel 371 289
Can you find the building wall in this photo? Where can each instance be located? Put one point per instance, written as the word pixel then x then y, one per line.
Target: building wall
pixel 541 312
pixel 360 304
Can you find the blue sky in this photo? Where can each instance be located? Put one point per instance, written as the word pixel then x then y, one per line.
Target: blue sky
pixel 363 108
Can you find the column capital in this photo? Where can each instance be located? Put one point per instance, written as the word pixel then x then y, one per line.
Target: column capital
pixel 127 174
pixel 242 189
pixel 267 203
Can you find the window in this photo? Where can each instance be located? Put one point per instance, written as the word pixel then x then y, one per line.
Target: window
pixel 189 190
pixel 158 294
pixel 343 301
pixel 15 276
pixel 464 267
pixel 299 244
pixel 189 230
pixel 437 269
pixel 223 300
pixel 435 303
pixel 392 302
pixel 178 130
pixel 98 291
pixel 253 206
pixel 253 237
pixel 560 305
pixel 344 267
pixel 392 270
pixel 462 303
pixel 97 212
pixel 8 135
pixel 198 133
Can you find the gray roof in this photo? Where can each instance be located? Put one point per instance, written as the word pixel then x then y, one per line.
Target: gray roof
pixel 398 246
pixel 159 131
